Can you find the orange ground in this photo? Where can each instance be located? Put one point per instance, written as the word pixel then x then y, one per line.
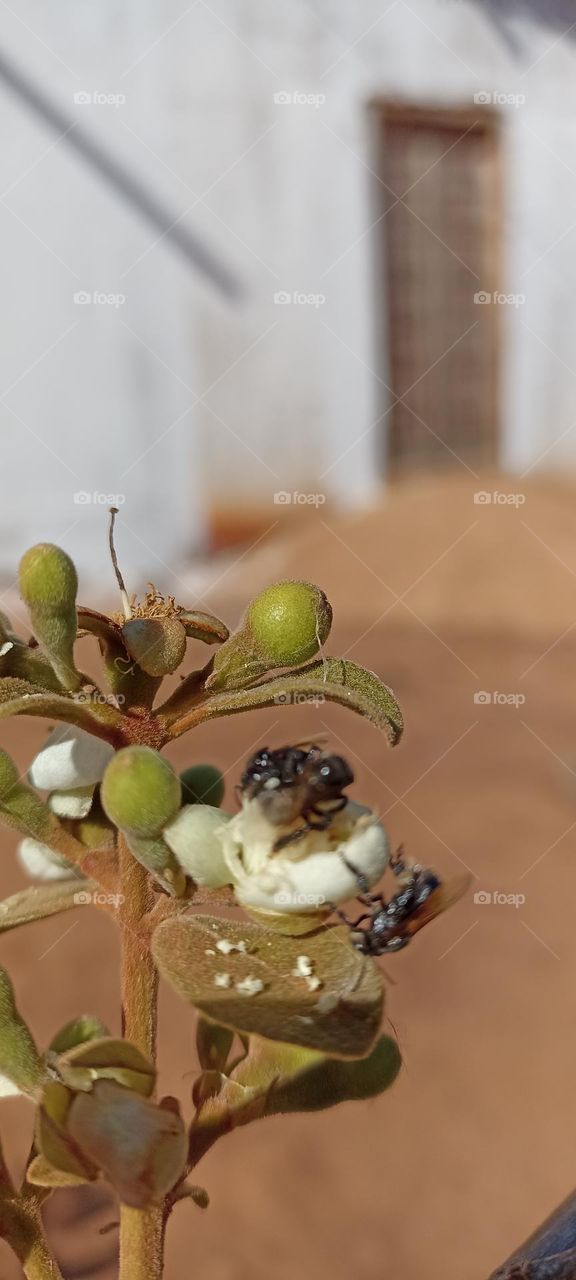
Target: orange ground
pixel 453 1167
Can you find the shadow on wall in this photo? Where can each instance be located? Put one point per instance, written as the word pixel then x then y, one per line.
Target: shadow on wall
pixel 559 15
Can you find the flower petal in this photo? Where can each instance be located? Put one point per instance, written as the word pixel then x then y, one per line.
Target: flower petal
pixel 195 838
pixel 42 863
pixel 71 804
pixel 70 758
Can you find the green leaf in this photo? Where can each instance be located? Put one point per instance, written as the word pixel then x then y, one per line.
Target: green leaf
pixel 330 680
pixel 20 1061
pixel 341 1017
pixel 275 1079
pixel 41 901
pixel 20 699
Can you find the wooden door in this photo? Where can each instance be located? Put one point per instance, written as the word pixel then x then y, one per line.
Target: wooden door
pixel 440 193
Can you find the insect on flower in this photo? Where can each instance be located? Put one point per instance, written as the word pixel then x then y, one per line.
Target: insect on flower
pixel 390 925
pixel 294 782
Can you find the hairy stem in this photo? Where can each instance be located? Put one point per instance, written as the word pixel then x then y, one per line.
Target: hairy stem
pixel 141 1230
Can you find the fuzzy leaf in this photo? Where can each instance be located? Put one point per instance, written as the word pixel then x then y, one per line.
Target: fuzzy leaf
pixel 43 900
pixel 330 680
pixel 341 1017
pixel 20 1061
pixel 20 699
pixel 203 626
pixel 275 1079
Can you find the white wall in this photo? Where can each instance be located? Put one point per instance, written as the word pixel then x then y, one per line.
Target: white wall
pixel 284 193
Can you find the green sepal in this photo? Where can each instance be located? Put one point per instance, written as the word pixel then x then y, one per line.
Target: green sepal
pixel 41 1173
pixel 105 1058
pixel 342 1017
pixel 153 853
pixel 79 1031
pixel 53 1140
pixel 203 626
pixel 329 680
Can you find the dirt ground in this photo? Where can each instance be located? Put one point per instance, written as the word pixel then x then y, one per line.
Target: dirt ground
pixel 447 1172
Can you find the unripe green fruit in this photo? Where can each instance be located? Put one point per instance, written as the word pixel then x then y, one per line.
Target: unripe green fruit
pixel 289 622
pixel 158 645
pixel 140 791
pixel 202 784
pixel 9 775
pixel 47 577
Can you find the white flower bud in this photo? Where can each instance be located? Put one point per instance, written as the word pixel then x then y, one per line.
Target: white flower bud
pixel 42 863
pixel 195 838
pixel 71 804
pixel 70 758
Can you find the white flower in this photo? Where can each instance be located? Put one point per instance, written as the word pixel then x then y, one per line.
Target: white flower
pixel 42 863
pixel 69 766
pixel 305 876
pixel 70 758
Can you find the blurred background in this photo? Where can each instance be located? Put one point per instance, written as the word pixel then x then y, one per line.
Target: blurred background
pixel 292 286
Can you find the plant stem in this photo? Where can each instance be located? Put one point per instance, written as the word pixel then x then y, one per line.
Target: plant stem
pixel 141 1230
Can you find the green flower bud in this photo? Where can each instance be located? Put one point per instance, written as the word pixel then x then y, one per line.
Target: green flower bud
pixel 158 645
pixel 48 584
pixel 284 626
pixel 202 784
pixel 140 791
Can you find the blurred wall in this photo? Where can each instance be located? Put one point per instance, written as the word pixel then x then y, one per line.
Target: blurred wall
pixel 251 123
